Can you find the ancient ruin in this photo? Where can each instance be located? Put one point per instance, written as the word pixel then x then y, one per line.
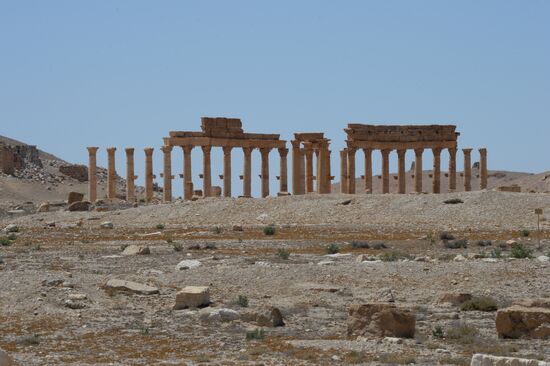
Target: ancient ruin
pixel 386 138
pixel 304 146
pixel 16 157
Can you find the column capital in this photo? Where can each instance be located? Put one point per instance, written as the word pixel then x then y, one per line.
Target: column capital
pixel 265 150
pixel 401 152
pixel 92 149
pixel 283 151
pixel 148 150
pixel 129 150
pixel 467 151
pixel 351 150
pixel 419 151
pixel 483 150
pixel 452 149
pixel 247 150
pixel 111 150
pixel 368 150
pixel 226 150
pixel 206 149
pixel 187 149
pixel 386 151
pixel 166 149
pixel 436 150
pixel 295 143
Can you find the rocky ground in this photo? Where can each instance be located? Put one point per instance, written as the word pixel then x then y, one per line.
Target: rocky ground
pixel 55 309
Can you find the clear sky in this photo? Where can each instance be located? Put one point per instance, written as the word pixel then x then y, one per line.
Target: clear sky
pixel 124 73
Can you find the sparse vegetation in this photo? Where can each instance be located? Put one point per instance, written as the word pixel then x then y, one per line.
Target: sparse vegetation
pixel 123 246
pixel 257 334
pixel 216 230
pixel 453 201
pixel 29 340
pixel 360 245
pixel 242 301
pixel 463 334
pixel 437 332
pixel 482 303
pixel 396 359
pixel 12 237
pixel 269 230
pixel 446 236
pixel 455 244
pixel 160 226
pixel 521 251
pixel 484 243
pixel 178 247
pixel 354 357
pixel 524 233
pixel 283 253
pixel 332 248
pixel 390 257
pixel 5 242
pixel 496 253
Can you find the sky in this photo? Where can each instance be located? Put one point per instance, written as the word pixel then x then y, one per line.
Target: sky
pixel 125 73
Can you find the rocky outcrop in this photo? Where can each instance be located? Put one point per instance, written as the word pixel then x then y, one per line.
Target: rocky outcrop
pixel 381 320
pixel 528 318
pixel 488 360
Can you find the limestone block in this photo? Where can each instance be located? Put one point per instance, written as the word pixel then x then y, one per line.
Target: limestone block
pixel 453 298
pixel 268 316
pixel 44 207
pixel 525 319
pixel 381 320
pixel 136 250
pixel 488 360
pixel 114 286
pixel 75 197
pixel 80 206
pixel 192 297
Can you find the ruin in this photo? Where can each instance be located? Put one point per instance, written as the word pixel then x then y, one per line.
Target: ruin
pixel 387 138
pixel 311 167
pixel 16 157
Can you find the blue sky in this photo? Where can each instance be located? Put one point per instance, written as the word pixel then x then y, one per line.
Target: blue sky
pixel 124 73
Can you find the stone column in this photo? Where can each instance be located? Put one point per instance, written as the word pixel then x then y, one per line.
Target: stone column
pixel 483 174
pixel 130 175
pixel 302 171
pixel 467 169
pixel 148 173
pixel 227 171
pixel 309 167
pixel 351 170
pixel 247 182
pixel 206 171
pixel 187 173
pixel 265 171
pixel 167 173
pixel 322 161
pixel 436 182
pixel 385 170
pixel 317 172
pixel 92 173
pixel 111 173
pixel 401 177
pixel 329 172
pixel 368 170
pixel 296 156
pixel 418 170
pixel 452 169
pixel 283 180
pixel 344 171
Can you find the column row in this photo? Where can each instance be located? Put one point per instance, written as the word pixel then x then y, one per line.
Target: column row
pixel 303 172
pixel 347 170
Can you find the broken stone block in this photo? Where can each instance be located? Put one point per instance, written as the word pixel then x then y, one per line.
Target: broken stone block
pixel 44 207
pixel 454 298
pixel 381 320
pixel 80 206
pixel 11 228
pixel 188 264
pixel 75 197
pixel 525 319
pixel 107 225
pixel 192 297
pixel 114 286
pixel 136 250
pixel 488 360
pixel 219 315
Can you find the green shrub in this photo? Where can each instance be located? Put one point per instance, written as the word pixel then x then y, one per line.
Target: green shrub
pixel 5 242
pixel 390 257
pixel 216 230
pixel 12 237
pixel 332 248
pixel 521 251
pixel 242 301
pixel 256 334
pixel 283 253
pixel 524 233
pixel 482 303
pixel 496 253
pixel 123 246
pixel 269 230
pixel 178 247
pixel 437 332
pixel 160 226
pixel 360 245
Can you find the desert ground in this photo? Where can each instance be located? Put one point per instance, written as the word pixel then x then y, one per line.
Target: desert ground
pixel 310 257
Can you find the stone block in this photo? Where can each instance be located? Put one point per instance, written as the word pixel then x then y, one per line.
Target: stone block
pixel 75 197
pixel 78 172
pixel 136 250
pixel 488 360
pixel 192 297
pixel 525 319
pixel 80 206
pixel 120 286
pixel 381 320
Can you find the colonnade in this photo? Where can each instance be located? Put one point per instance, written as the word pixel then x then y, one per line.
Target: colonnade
pixel 347 169
pixel 303 172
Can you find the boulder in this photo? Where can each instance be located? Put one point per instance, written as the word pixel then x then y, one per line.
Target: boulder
pixel 269 316
pixel 80 206
pixel 44 207
pixel 454 298
pixel 529 318
pixel 219 315
pixel 543 258
pixel 5 360
pixel 136 250
pixel 488 360
pixel 114 286
pixel 75 197
pixel 381 320
pixel 188 264
pixel 192 297
pixel 11 228
pixel 107 225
